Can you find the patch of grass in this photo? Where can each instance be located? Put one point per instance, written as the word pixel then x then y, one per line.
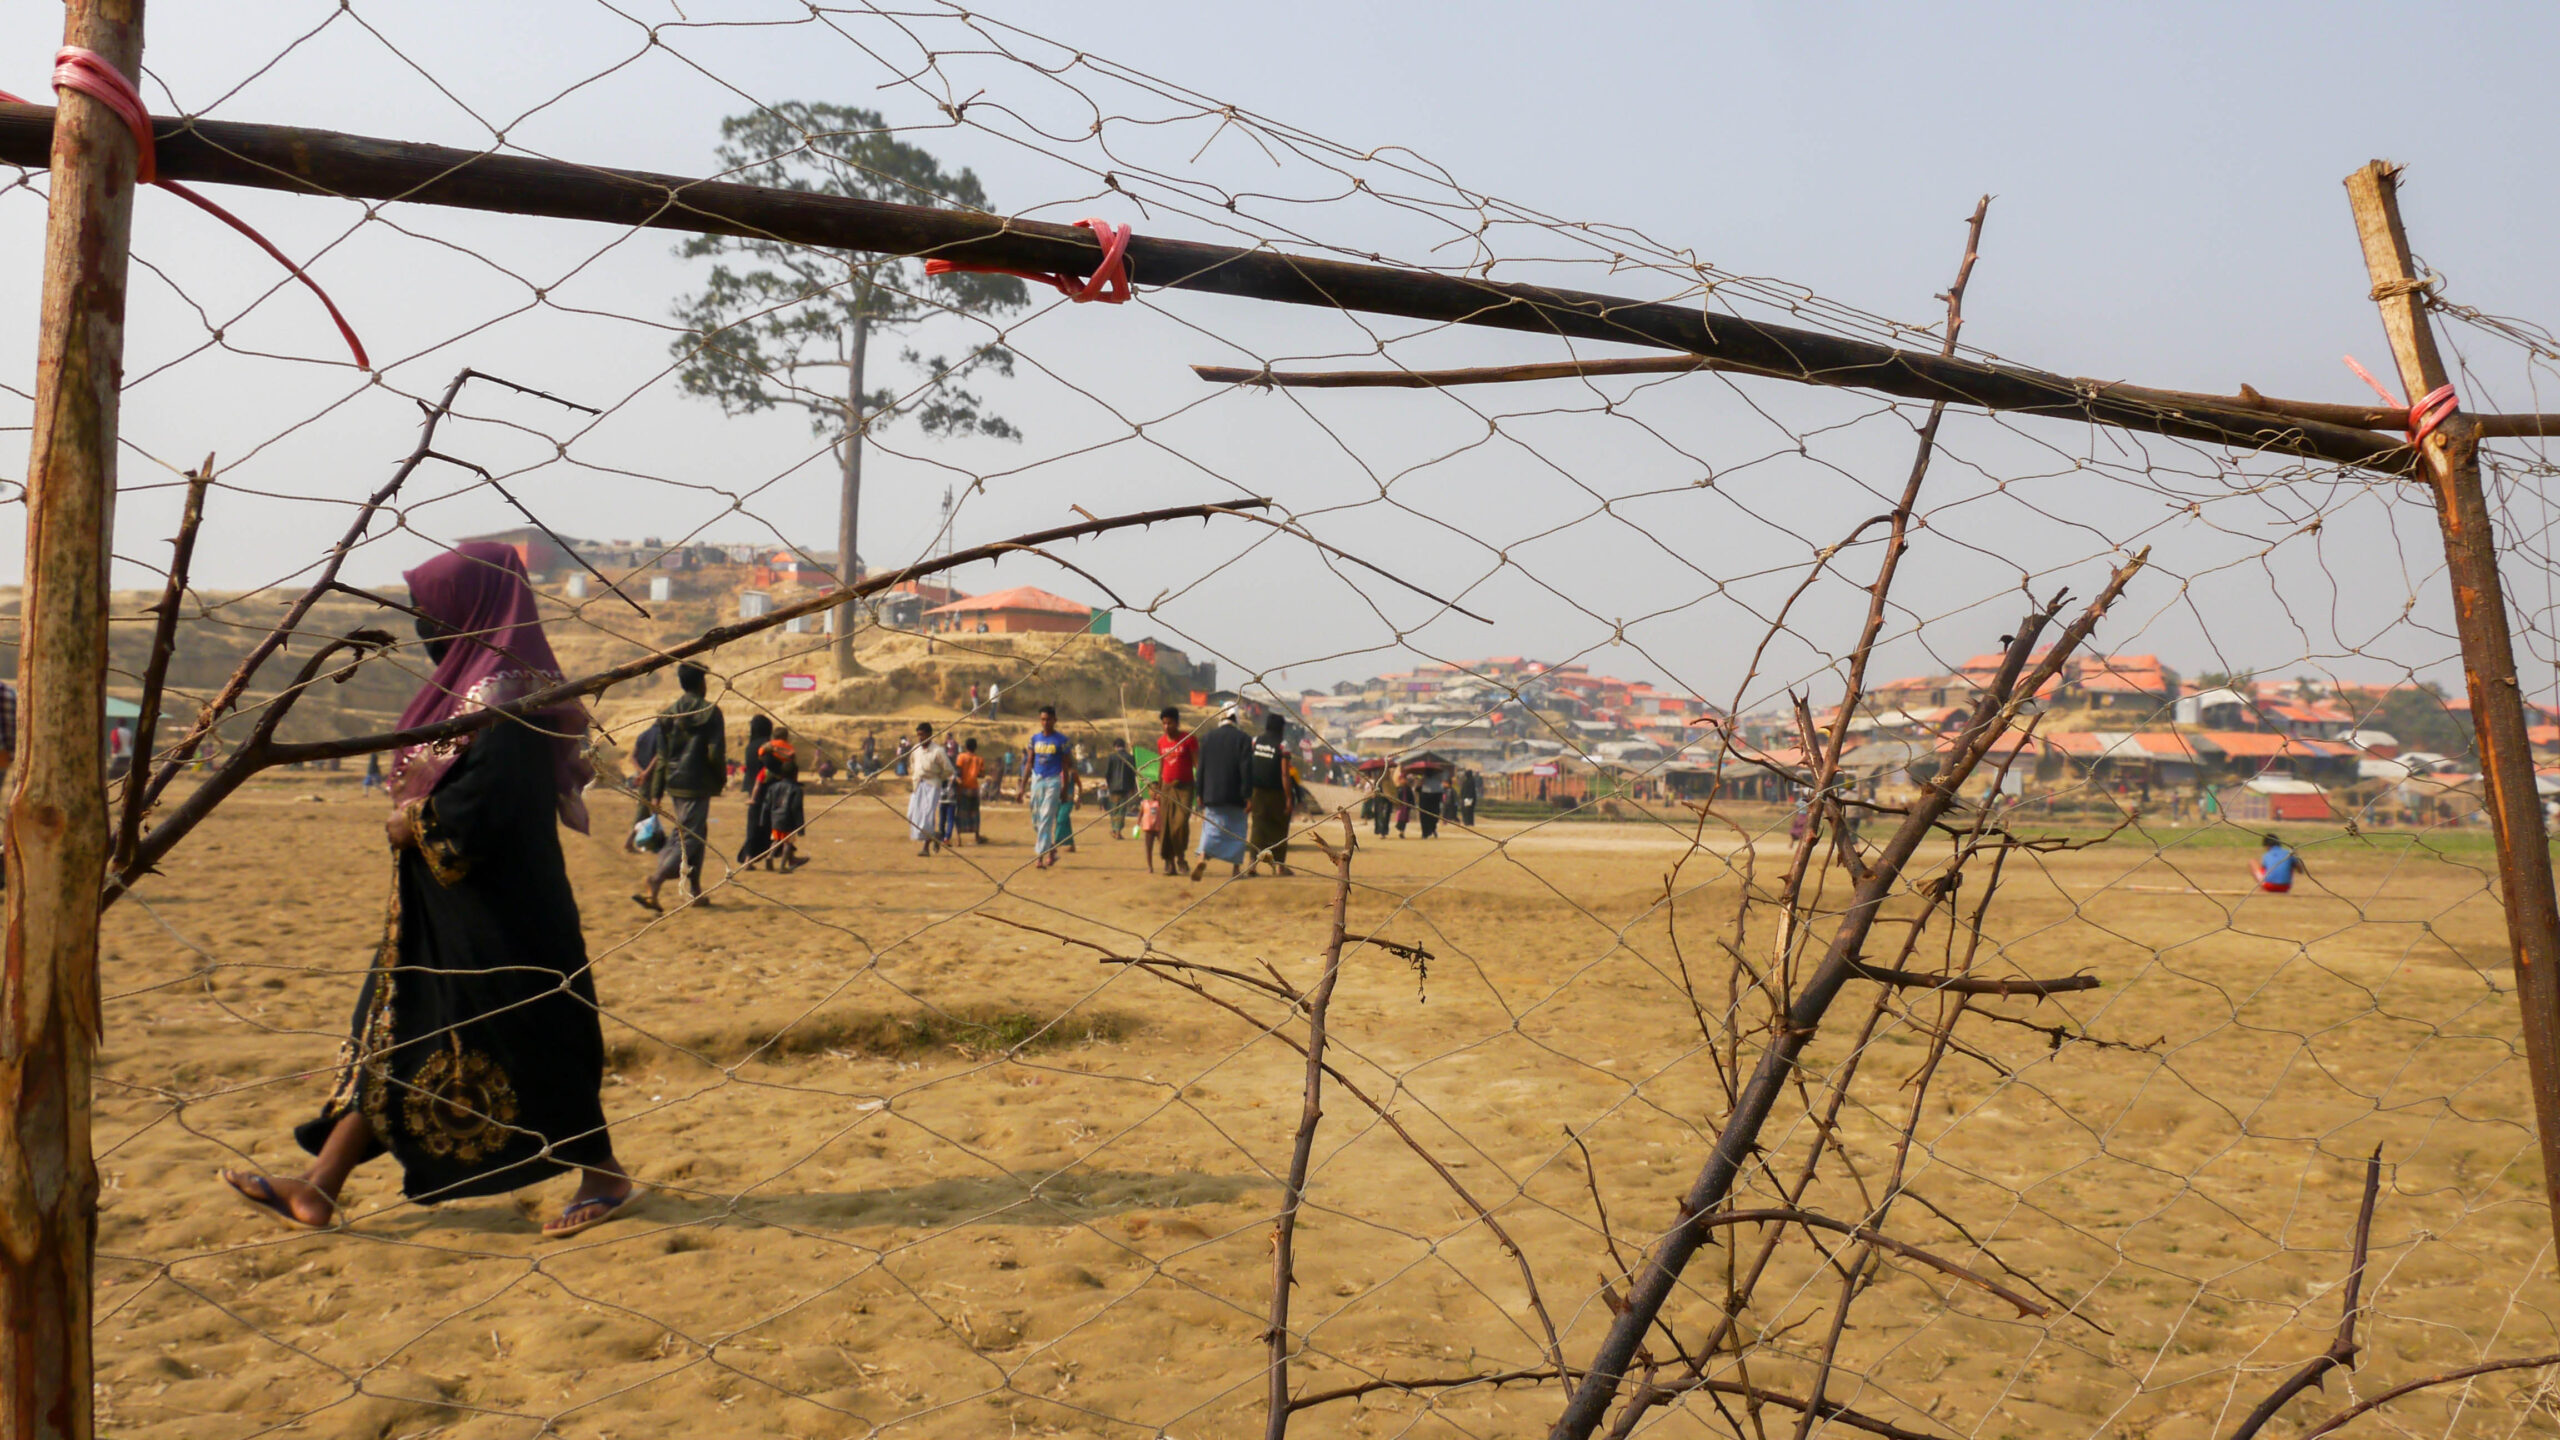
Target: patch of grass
pixel 984 1028
pixel 966 1029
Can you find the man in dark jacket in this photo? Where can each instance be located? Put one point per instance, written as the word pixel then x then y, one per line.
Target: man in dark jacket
pixel 1274 782
pixel 1226 784
pixel 1120 785
pixel 691 767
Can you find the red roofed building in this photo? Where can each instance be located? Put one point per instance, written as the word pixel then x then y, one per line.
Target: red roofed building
pixel 2262 752
pixel 2104 682
pixel 1023 609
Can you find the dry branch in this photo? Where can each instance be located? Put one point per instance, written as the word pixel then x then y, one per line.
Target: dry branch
pixel 2342 1351
pixel 247 670
pixel 1284 1235
pixel 155 670
pixel 1976 984
pixel 2354 417
pixel 1739 1138
pixel 1827 1409
pixel 1870 1236
pixel 2467 1372
pixel 1179 972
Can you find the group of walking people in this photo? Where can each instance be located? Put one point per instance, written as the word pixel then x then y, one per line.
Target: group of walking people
pixel 1428 792
pixel 682 764
pixel 1244 789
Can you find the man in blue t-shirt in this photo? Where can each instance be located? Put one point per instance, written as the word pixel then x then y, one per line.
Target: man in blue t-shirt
pixel 1048 773
pixel 2277 866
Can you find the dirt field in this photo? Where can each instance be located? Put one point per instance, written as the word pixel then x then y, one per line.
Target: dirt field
pixel 917 1169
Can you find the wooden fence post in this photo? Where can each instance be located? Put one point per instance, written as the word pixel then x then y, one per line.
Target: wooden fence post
pixel 57 848
pixel 2450 464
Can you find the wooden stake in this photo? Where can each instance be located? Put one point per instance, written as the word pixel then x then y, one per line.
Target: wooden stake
pixel 58 809
pixel 2450 464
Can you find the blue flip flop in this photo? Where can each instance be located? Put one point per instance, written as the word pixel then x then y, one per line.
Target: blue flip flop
pixel 603 1209
pixel 264 1197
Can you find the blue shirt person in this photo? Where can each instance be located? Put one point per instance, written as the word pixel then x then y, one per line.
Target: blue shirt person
pixel 1048 785
pixel 2276 867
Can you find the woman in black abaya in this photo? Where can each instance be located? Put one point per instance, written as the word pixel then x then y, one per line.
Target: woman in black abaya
pixel 476 1059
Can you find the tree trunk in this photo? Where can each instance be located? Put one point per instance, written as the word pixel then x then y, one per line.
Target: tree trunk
pixel 849 514
pixel 58 811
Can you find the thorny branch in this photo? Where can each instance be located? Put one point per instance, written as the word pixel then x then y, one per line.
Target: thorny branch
pixel 175 763
pixel 1284 1235
pixel 155 670
pixel 2016 681
pixel 2467 1372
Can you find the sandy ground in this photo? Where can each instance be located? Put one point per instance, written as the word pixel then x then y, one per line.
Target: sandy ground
pixel 913 1168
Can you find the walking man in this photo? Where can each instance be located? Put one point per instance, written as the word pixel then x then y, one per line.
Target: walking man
pixel 1274 778
pixel 1177 771
pixel 1226 784
pixel 691 767
pixel 1120 784
pixel 1049 771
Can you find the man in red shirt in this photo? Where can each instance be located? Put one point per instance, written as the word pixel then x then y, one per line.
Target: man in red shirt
pixel 1177 771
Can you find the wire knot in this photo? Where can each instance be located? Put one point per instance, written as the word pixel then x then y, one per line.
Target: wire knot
pixel 2394 288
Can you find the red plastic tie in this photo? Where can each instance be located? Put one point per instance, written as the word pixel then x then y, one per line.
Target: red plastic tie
pixel 88 72
pixel 2433 409
pixel 2430 412
pixel 1109 282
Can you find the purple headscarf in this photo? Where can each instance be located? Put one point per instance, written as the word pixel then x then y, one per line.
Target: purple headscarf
pixel 479 593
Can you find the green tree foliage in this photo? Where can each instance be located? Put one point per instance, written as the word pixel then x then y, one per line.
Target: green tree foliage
pixel 2416 717
pixel 781 326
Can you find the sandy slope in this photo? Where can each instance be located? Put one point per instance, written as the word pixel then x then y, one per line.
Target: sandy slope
pixel 868 1212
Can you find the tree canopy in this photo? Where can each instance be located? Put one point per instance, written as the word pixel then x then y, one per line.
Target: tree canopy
pixel 772 311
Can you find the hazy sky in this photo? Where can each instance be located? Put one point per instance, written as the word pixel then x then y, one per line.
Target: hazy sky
pixel 2168 211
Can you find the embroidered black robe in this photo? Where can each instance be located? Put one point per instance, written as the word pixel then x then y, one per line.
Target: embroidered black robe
pixel 476 1050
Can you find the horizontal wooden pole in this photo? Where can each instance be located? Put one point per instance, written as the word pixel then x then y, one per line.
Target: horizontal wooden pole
pixel 2361 417
pixel 323 162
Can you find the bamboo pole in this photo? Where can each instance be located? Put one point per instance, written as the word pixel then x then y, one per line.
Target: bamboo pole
pixel 58 808
pixel 2451 468
pixel 323 162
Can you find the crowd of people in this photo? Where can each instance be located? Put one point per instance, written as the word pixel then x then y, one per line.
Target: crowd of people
pixel 1428 792
pixel 1240 791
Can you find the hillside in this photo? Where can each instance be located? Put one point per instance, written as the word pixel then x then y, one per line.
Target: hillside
pixel 904 677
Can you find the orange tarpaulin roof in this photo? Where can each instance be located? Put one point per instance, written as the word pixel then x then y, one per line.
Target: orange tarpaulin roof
pixel 1020 597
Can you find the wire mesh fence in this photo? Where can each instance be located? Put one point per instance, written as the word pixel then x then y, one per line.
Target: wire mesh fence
pixel 1872 1021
